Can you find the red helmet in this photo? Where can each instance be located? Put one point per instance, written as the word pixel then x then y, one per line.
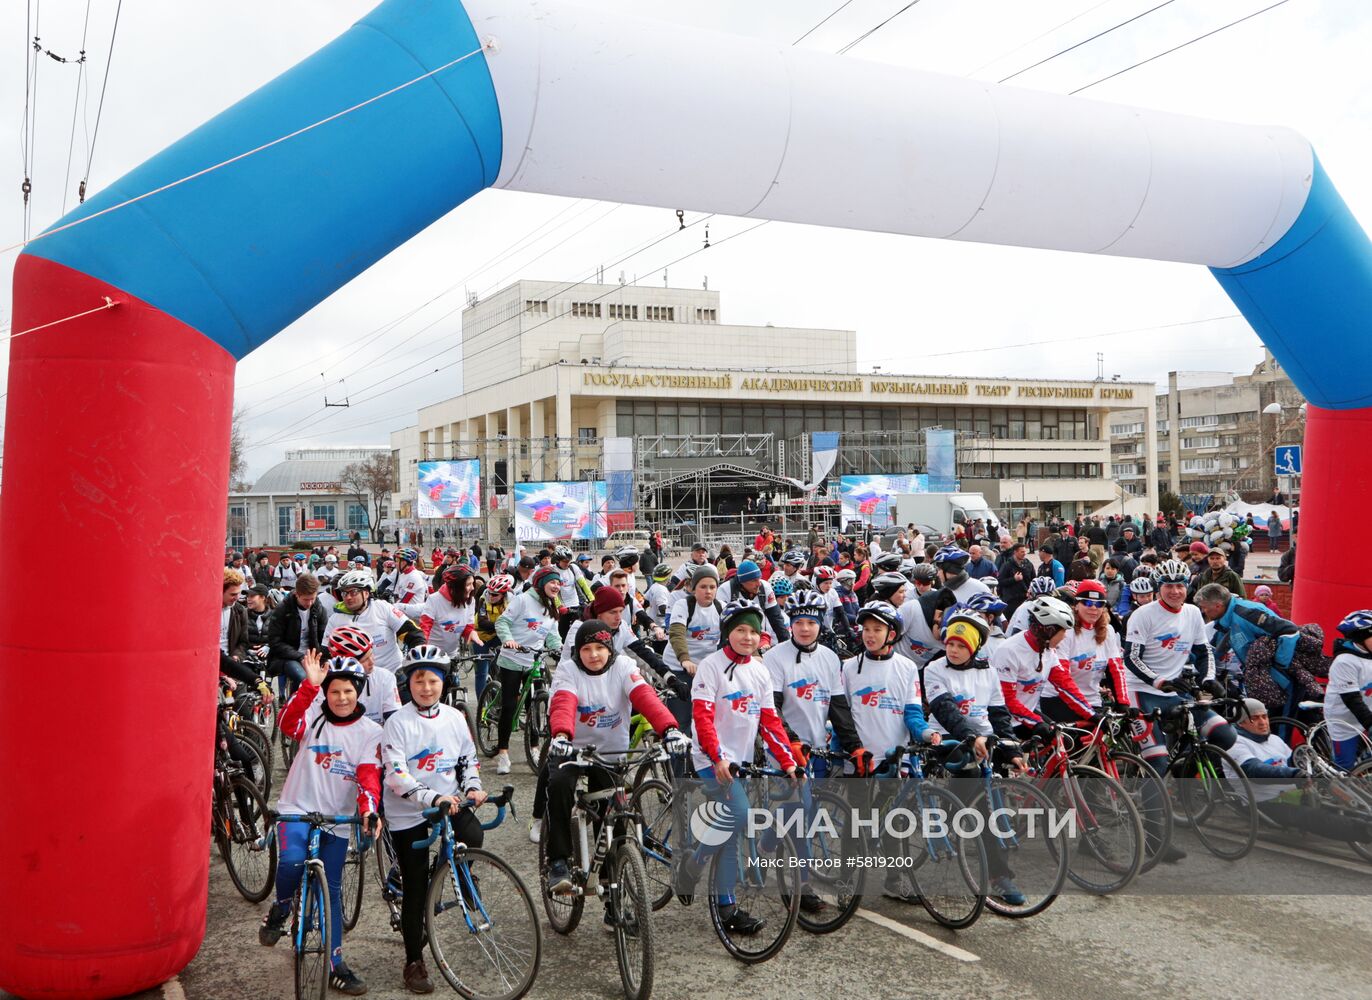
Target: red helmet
pixel 349 640
pixel 824 573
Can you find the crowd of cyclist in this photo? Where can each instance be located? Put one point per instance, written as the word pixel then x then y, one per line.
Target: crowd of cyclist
pixel 785 645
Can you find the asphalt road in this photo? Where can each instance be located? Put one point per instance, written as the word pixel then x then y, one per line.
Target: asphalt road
pixel 1295 916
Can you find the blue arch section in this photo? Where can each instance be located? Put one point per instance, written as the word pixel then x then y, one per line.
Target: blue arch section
pixel 1310 299
pixel 242 252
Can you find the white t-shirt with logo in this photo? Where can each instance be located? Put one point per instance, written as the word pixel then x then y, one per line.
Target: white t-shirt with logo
pixel 1348 673
pixel 917 639
pixel 739 692
pixel 702 631
pixel 380 621
pixel 323 776
pixel 530 625
pixel 411 587
pixel 974 691
pixel 448 620
pixel 571 593
pixel 878 691
pixel 1016 662
pixel 427 756
pixel 1087 661
pixel 1272 750
pixel 1167 637
pixel 603 708
pixel 806 682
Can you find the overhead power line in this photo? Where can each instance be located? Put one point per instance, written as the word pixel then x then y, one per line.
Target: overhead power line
pixel 1085 41
pixel 872 31
pixel 100 108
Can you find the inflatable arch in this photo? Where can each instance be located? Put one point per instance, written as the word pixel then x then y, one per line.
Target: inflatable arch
pixel 119 421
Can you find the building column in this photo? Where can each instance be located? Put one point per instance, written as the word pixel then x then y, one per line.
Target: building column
pixel 538 430
pixel 1174 432
pixel 606 417
pixel 489 428
pixel 565 462
pixel 1150 457
pixel 515 430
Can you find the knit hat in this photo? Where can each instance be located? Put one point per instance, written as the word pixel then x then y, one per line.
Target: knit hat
pixel 702 571
pixel 963 632
pixel 749 570
pixel 542 575
pixel 593 631
pixel 1252 707
pixel 606 599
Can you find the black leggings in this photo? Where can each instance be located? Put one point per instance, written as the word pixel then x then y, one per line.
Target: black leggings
pixel 561 793
pixel 511 682
pixel 414 875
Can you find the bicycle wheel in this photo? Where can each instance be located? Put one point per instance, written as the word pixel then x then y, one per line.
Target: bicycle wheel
pixel 948 870
pixel 387 874
pixel 488 719
pixel 1022 846
pixel 354 879
pixel 767 887
pixel 832 878
pixel 1217 800
pixel 251 732
pixel 653 802
pixel 249 847
pixel 1150 798
pixel 483 931
pixel 264 715
pixel 288 748
pixel 1108 829
pixel 1293 731
pixel 311 934
pixel 632 916
pixel 1351 800
pixel 564 911
pixel 535 727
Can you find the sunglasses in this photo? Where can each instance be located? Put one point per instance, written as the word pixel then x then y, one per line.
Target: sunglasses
pixel 1090 602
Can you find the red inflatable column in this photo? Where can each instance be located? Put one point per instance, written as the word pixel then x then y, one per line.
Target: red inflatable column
pixel 111 534
pixel 1337 479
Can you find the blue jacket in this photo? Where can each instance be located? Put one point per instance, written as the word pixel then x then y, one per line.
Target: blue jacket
pixel 1243 621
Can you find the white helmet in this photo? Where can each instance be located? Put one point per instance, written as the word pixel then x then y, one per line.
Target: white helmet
pixel 356 578
pixel 1050 612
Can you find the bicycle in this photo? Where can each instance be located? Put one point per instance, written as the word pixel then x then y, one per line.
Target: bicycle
pixel 1331 789
pixel 1207 781
pixel 455 695
pixel 498 924
pixel 531 711
pixel 310 919
pixel 250 738
pixel 834 879
pixel 238 819
pixel 607 833
pixel 1107 822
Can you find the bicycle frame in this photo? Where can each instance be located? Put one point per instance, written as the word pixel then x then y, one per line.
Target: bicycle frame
pixel 313 862
pixel 606 818
pixel 452 851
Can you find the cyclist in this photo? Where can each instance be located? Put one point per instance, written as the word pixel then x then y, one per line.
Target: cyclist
pixel 296 626
pixel 233 621
pixel 447 616
pixel 845 585
pixel 379 697
pixel 1031 661
pixel 328 572
pixel 385 623
pixel 608 608
pixel 967 703
pixel 490 605
pixel 1161 638
pixel 1140 592
pixel 530 621
pixel 1039 586
pixel 594 693
pixel 889 587
pixel 882 685
pixel 1093 656
pixel 411 585
pixel 1348 698
pixel 655 601
pixel 343 766
pixel 259 618
pixel 824 576
pixel 634 613
pixel 692 631
pixel 731 706
pixel 923 578
pixel 920 622
pixel 748 587
pixel 287 571
pixel 951 563
pixel 576 591
pixel 430 759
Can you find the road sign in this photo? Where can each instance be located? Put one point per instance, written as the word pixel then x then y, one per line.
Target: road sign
pixel 1287 460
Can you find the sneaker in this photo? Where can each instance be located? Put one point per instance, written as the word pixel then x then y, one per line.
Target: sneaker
pixel 417 977
pixel 742 923
pixel 560 878
pixel 1004 889
pixel 895 887
pixel 1171 854
pixel 273 925
pixel 811 903
pixel 535 830
pixel 502 762
pixel 344 980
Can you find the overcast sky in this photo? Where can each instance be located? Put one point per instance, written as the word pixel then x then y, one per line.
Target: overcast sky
pixel 912 301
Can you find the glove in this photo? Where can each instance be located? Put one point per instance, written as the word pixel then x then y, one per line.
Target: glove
pixel 1043 732
pixel 561 746
pixel 1166 687
pixel 862 762
pixel 798 753
pixel 676 742
pixel 679 687
pixel 1213 687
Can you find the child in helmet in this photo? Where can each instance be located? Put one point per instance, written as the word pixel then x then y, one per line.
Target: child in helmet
pixel 379 696
pixel 1348 698
pixel 1031 660
pixel 883 688
pixel 430 759
pixel 340 769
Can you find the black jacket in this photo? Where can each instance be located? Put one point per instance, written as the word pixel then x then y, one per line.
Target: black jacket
pixel 283 629
pixel 1012 591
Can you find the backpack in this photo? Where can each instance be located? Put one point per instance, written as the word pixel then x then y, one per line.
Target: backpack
pixel 691 608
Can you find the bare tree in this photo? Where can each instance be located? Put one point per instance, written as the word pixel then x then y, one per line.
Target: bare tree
pixel 371 481
pixel 238 463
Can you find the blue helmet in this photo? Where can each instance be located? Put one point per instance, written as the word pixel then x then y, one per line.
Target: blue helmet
pixel 986 604
pixel 347 669
pixel 1357 625
pixel 950 554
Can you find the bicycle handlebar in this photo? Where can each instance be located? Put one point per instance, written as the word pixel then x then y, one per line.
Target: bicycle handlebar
pixel 442 811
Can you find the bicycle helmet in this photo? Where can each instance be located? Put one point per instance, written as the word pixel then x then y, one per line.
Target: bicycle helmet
pixel 561 553
pixel 501 583
pixel 542 576
pixel 276 596
pixel 360 578
pixel 1173 571
pixel 883 612
pixel 781 587
pixel 1067 594
pixel 924 573
pixel 795 558
pixel 1049 614
pixel 887 562
pixel 967 627
pixel 1357 625
pixel 800 584
pixel 626 552
pixel 349 640
pixel 887 584
pixel 846 577
pixel 807 604
pixel 427 657
pixel 1141 584
pixel 950 554
pixel 985 604
pixel 1040 585
pixel 662 572
pixel 823 573
pixel 344 668
pixel 734 614
pixel 407 555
